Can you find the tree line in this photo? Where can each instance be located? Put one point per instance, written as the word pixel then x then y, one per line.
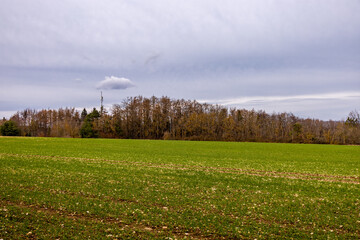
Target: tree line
pixel 164 118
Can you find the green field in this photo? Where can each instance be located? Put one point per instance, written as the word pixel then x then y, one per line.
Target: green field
pixel 57 188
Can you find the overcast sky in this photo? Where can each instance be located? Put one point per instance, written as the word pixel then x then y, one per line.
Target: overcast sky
pixel 281 55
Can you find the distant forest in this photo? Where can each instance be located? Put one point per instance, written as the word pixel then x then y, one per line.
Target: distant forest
pixel 165 118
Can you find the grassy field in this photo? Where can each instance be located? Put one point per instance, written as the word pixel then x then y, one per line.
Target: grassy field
pixel 55 188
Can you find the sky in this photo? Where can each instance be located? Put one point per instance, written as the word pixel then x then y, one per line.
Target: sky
pixel 274 55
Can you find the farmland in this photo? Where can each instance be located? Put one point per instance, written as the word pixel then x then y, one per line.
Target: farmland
pixel 59 188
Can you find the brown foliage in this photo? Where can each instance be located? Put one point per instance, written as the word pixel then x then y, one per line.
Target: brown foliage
pixel 165 118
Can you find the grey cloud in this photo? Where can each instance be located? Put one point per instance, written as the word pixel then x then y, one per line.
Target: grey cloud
pixel 61 34
pixel 114 83
pixel 204 49
pixel 152 59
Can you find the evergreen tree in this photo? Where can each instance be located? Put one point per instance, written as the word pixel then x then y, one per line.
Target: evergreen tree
pixel 88 129
pixel 83 114
pixel 353 119
pixel 9 128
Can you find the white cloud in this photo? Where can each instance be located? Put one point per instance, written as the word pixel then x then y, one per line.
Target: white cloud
pixel 323 106
pixel 114 83
pixel 267 99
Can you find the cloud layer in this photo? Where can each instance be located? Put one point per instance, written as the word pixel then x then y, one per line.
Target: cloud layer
pixel 114 83
pixel 126 34
pixel 204 49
